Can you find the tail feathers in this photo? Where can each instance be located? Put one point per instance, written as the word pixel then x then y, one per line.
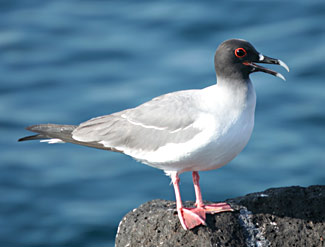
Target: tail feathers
pixel 33 137
pixel 50 131
pixel 56 133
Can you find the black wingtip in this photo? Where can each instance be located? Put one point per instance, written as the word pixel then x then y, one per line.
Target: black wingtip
pixel 49 131
pixel 28 138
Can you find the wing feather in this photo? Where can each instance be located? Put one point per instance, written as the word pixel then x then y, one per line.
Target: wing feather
pixel 147 127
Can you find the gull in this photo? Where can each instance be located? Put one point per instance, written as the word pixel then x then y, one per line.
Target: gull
pixel 184 131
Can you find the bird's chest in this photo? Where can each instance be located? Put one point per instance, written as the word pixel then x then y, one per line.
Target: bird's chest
pixel 228 129
pixel 227 139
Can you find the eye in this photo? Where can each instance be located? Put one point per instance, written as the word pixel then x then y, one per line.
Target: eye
pixel 240 52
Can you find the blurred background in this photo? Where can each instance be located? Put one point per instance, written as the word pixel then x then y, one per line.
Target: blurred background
pixel 68 61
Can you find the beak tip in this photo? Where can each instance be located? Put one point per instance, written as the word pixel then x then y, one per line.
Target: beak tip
pixel 280 76
pixel 283 64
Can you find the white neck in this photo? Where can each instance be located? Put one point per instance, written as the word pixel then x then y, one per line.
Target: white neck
pixel 230 95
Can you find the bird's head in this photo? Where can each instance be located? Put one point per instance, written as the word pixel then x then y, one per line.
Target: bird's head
pixel 236 59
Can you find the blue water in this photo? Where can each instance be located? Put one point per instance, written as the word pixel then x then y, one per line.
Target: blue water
pixel 67 61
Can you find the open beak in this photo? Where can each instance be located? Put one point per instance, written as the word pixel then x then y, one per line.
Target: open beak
pixel 264 59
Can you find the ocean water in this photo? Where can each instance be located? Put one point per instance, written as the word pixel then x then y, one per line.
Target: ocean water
pixel 68 61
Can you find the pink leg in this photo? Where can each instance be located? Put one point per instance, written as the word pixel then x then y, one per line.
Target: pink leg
pixel 212 208
pixel 189 217
pixel 199 202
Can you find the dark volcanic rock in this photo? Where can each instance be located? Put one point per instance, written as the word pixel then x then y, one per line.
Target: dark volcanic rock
pixel 155 223
pixel 292 216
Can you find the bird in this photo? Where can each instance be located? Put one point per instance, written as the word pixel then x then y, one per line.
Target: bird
pixel 184 131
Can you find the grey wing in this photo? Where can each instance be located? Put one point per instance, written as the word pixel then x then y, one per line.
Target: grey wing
pixel 165 119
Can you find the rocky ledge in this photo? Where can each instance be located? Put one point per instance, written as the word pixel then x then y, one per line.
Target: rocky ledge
pixel 292 216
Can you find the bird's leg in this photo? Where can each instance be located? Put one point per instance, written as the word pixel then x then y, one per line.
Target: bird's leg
pixel 189 217
pixel 198 202
pixel 211 208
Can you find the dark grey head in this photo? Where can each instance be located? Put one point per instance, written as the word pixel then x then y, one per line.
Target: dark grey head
pixel 236 58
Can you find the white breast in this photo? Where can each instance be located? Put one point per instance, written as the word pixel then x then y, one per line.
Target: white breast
pixel 226 119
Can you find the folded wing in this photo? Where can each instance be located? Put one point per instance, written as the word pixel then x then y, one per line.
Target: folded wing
pixel 163 120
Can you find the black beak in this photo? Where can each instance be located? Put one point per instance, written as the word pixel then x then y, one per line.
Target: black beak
pixel 268 60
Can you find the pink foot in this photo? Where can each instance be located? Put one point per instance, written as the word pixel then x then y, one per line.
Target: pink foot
pixel 209 209
pixel 217 208
pixel 191 217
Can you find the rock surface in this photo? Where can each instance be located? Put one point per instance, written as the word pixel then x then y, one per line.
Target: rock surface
pixel 292 216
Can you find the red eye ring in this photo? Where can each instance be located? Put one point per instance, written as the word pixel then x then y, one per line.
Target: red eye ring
pixel 240 52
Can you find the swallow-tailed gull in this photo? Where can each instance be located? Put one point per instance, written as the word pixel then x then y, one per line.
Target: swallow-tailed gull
pixel 190 130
